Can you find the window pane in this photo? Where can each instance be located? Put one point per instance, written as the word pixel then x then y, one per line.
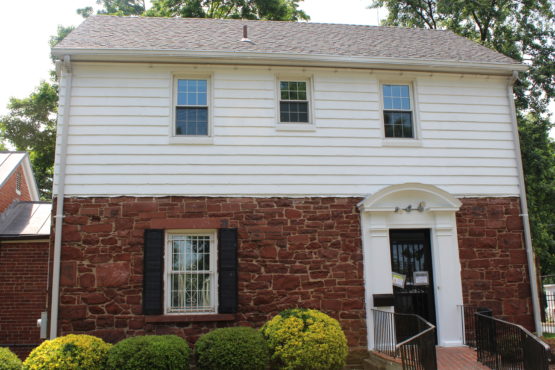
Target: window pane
pixel 294 112
pixel 192 92
pixel 398 124
pixel 396 97
pixel 293 90
pixel 191 121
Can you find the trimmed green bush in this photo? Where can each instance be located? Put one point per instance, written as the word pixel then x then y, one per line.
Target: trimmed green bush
pixel 150 352
pixel 237 348
pixel 305 339
pixel 9 360
pixel 83 352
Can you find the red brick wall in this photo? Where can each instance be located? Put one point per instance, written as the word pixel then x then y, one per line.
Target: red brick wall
pixel 493 258
pixel 23 283
pixel 292 253
pixel 8 194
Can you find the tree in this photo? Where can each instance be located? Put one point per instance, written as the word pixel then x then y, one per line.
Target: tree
pixel 115 7
pixel 523 30
pixel 31 126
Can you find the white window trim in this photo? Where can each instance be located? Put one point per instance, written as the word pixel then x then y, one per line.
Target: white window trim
pixel 184 139
pixel 400 141
pixel 213 262
pixel 295 126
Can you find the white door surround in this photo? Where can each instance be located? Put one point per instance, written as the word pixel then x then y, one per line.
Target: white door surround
pixel 414 206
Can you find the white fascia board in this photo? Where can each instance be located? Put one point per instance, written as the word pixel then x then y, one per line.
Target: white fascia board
pixel 284 59
pixel 30 179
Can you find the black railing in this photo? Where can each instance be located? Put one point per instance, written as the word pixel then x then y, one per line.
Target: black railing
pixel 503 345
pixel 468 322
pixel 405 336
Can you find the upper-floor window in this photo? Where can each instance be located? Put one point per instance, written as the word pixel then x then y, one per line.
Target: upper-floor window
pixel 191 272
pixel 397 111
pixel 191 111
pixel 294 102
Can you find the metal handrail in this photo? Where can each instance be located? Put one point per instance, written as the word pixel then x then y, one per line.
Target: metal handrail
pixel 526 331
pixel 416 336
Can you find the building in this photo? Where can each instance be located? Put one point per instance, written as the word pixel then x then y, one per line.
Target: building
pixel 214 172
pixel 24 251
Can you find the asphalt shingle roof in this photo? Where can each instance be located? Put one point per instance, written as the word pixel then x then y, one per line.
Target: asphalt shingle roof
pixel 217 35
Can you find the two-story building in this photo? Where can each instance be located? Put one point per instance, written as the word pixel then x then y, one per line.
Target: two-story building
pixel 214 172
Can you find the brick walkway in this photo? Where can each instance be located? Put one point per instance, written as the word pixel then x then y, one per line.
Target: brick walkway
pixel 457 358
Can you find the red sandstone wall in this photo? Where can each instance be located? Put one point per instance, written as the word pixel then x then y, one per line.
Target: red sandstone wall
pixel 23 281
pixel 493 258
pixel 8 194
pixel 292 253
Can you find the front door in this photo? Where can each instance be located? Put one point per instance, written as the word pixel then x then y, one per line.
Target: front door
pixel 411 259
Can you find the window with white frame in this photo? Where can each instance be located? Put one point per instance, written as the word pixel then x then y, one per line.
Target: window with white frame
pixel 191 272
pixel 294 102
pixel 397 111
pixel 191 111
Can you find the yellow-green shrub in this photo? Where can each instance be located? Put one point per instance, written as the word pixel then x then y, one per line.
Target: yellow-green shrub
pixel 305 339
pixel 83 352
pixel 9 360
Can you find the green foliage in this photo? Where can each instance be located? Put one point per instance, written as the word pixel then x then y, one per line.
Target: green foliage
pixel 150 352
pixel 282 10
pixel 115 7
pixel 30 126
pixel 79 352
pixel 238 348
pixel 9 360
pixel 305 339
pixel 523 30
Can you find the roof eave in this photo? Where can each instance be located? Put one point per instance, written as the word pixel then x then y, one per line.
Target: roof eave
pixel 146 55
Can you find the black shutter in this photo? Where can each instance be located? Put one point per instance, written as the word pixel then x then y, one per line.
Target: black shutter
pixel 153 289
pixel 227 270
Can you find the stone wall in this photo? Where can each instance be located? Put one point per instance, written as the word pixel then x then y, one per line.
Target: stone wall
pixel 493 258
pixel 23 284
pixel 303 252
pixel 292 253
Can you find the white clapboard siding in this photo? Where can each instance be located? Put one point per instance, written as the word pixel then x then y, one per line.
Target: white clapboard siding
pixel 120 120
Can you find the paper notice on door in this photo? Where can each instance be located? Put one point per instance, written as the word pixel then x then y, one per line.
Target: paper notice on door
pixel 399 279
pixel 421 278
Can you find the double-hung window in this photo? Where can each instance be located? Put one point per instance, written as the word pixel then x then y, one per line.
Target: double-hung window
pixel 294 102
pixel 191 110
pixel 397 111
pixel 191 272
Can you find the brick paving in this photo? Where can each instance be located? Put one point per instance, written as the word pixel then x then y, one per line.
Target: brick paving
pixel 458 358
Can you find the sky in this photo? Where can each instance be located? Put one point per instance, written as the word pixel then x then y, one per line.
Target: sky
pixel 26 27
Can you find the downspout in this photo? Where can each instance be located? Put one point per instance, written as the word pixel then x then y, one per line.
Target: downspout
pixel 54 307
pixel 524 209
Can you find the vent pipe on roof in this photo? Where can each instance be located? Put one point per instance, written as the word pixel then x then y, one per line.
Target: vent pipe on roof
pixel 246 36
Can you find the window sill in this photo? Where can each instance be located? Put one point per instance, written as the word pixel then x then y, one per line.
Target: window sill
pixel 401 142
pixel 190 318
pixel 195 140
pixel 295 127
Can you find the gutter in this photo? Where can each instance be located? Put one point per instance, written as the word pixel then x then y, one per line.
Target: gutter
pixel 524 209
pixel 248 57
pixel 54 307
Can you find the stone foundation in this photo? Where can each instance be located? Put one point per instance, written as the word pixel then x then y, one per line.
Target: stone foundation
pixel 292 252
pixel 493 258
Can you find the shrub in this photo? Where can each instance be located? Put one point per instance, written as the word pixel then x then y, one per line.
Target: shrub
pixel 305 339
pixel 9 360
pixel 238 348
pixel 150 352
pixel 83 352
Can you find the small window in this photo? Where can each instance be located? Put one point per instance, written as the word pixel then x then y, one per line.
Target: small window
pixel 293 103
pixel 18 183
pixel 191 273
pixel 191 112
pixel 397 111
